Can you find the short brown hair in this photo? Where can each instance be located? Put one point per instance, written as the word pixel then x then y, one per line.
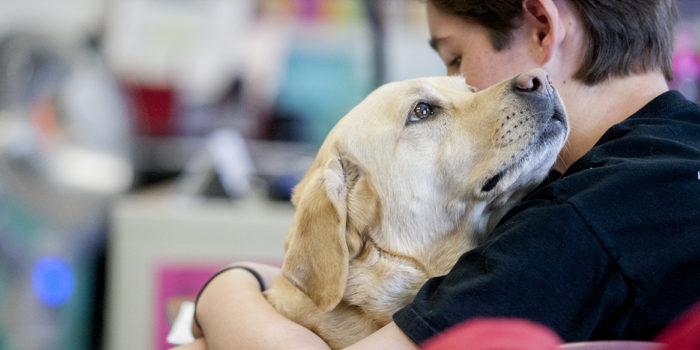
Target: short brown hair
pixel 624 36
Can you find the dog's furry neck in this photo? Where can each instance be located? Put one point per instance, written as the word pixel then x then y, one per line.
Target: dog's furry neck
pixel 485 215
pixel 404 258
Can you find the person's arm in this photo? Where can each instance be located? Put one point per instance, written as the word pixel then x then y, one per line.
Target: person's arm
pixel 389 337
pixel 234 314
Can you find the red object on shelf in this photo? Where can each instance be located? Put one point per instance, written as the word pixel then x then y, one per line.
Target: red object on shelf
pixel 153 107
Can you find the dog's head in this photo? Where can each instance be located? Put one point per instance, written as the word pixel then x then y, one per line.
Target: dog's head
pixel 416 159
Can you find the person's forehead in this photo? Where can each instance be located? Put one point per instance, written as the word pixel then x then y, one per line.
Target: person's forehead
pixel 451 29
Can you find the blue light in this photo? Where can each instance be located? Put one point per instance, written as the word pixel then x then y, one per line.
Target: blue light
pixel 53 281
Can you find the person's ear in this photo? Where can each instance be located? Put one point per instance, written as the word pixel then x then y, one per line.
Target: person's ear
pixel 544 27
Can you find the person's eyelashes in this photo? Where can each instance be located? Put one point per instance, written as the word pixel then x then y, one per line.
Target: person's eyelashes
pixel 454 65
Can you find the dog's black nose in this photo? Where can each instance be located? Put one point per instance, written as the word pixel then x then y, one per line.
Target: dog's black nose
pixel 536 80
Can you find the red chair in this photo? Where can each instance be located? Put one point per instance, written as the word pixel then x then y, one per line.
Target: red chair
pixel 517 334
pixel 612 345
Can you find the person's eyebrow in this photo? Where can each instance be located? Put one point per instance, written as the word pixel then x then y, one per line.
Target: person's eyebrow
pixel 434 42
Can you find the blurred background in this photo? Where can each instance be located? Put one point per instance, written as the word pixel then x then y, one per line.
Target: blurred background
pixel 144 144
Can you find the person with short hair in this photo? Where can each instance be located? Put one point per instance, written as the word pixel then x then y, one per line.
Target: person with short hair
pixel 608 247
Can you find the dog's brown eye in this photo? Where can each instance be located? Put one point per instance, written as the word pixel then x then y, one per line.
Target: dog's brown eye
pixel 421 111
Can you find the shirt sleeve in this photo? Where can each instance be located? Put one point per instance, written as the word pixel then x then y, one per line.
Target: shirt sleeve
pixel 541 263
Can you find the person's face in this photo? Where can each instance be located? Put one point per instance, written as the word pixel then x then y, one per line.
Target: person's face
pixel 465 49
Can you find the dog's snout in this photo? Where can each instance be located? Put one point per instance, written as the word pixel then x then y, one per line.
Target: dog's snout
pixel 535 81
pixel 535 103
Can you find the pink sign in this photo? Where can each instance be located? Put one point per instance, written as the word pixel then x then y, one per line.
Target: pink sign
pixel 176 284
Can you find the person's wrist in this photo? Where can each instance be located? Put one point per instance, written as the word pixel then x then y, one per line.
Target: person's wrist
pixel 229 279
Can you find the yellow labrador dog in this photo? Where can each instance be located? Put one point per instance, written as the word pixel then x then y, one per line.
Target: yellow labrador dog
pixel 409 180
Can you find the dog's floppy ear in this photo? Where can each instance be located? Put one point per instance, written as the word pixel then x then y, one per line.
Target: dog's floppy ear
pixel 316 260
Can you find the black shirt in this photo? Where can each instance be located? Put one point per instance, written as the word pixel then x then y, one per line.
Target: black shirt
pixel 610 250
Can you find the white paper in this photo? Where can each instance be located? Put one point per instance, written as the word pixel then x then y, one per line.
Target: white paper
pixel 181 331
